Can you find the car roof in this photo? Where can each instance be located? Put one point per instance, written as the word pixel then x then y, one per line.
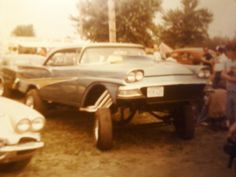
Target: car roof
pixel 113 44
pixel 98 44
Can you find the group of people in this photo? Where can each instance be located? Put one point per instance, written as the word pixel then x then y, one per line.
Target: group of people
pixel 222 101
pixel 223 69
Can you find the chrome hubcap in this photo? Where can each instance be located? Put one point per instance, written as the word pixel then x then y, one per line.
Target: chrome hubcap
pixel 96 130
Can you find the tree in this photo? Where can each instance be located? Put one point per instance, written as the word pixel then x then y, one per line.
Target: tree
pixel 134 20
pixel 24 30
pixel 219 40
pixel 187 26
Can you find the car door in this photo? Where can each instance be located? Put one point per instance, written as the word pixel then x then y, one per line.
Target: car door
pixel 62 87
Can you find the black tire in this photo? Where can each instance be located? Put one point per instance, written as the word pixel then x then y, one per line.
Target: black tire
pixel 15 166
pixel 103 129
pixel 184 121
pixel 34 101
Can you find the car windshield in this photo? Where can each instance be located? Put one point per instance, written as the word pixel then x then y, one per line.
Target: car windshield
pixel 101 54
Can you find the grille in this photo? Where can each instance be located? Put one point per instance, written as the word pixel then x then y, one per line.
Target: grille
pixel 26 140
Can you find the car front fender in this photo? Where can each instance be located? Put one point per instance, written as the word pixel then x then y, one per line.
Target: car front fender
pixel 110 87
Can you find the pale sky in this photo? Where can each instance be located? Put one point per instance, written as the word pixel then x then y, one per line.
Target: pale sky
pixel 50 18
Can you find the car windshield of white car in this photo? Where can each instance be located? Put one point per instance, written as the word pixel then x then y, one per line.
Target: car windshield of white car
pixel 101 55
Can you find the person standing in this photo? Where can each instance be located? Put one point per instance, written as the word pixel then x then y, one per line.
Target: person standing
pixel 156 53
pixel 208 58
pixel 229 74
pixel 220 63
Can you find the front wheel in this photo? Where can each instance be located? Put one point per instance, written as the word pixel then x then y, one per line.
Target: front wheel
pixel 34 101
pixel 103 129
pixel 184 121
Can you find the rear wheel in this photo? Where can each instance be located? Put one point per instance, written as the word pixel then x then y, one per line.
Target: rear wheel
pixel 103 129
pixel 34 101
pixel 184 121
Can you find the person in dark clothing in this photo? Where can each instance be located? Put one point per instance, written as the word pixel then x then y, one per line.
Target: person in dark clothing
pixel 208 59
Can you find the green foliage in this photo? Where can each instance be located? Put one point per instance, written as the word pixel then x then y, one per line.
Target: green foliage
pixel 24 30
pixel 134 20
pixel 223 41
pixel 187 26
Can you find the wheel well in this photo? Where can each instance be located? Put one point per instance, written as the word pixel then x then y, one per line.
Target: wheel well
pixel 94 94
pixel 31 87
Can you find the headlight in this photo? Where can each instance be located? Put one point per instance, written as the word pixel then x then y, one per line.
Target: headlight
pixel 23 125
pixel 37 124
pixel 204 73
pixel 134 76
pixel 139 75
pixel 130 77
pixel 207 73
pixel 200 74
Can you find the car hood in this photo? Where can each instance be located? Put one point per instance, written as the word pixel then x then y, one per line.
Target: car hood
pixel 17 111
pixel 149 66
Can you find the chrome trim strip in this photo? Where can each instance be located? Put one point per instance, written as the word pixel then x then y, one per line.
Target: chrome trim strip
pixel 104 101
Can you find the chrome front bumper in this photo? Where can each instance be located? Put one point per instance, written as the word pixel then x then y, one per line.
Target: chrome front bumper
pixel 19 151
pixel 22 147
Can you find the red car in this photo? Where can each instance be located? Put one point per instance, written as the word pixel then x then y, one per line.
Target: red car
pixel 191 56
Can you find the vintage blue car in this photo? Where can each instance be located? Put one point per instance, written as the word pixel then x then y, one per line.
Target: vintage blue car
pixel 106 78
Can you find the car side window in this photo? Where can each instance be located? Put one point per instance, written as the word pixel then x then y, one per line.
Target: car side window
pixel 63 59
pixel 90 57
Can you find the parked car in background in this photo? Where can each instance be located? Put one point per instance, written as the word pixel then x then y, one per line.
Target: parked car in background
pixel 9 63
pixel 20 128
pixel 190 56
pixel 110 79
pixel 21 59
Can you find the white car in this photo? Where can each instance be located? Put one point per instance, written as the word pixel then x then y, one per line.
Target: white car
pixel 20 128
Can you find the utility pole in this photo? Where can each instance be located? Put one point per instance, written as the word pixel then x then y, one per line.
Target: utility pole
pixel 112 20
pixel 81 22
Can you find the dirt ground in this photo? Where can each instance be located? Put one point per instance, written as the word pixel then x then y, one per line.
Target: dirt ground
pixel 145 150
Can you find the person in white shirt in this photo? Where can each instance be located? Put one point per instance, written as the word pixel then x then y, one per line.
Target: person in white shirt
pixel 220 64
